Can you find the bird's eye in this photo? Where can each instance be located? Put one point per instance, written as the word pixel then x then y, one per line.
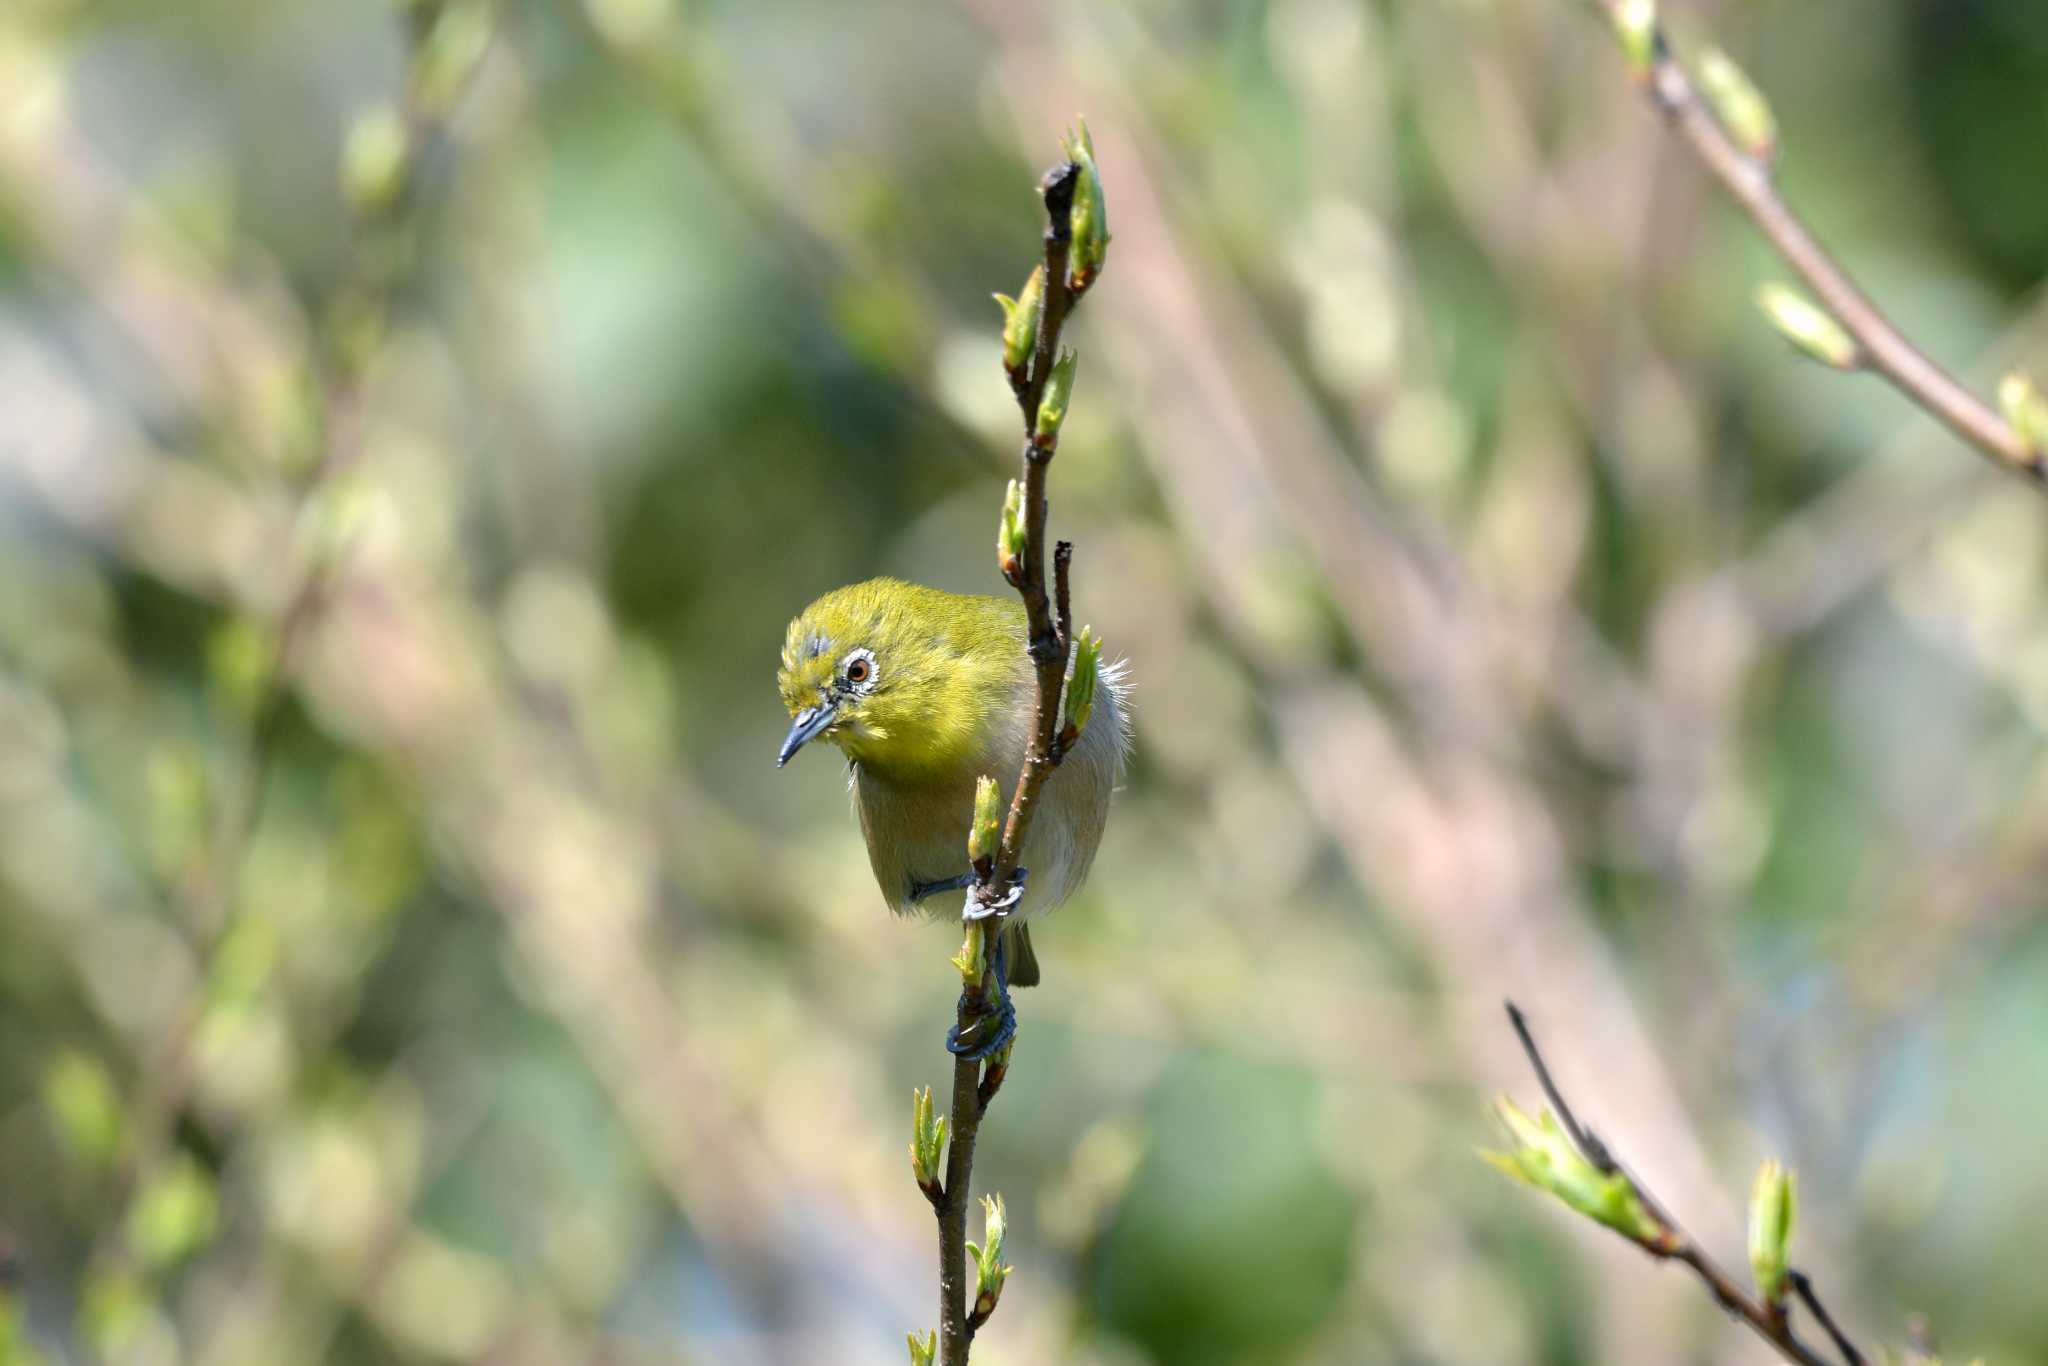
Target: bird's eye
pixel 859 669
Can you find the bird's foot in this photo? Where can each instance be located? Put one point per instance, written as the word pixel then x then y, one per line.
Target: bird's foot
pixel 990 1019
pixel 1001 905
pixel 985 1035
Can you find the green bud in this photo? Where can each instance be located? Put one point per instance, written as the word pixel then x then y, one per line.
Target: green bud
pixel 84 1107
pixel 1809 327
pixel 923 1348
pixel 1020 321
pixel 1010 539
pixel 1635 23
pixel 2025 410
pixel 1742 108
pixel 989 1271
pixel 927 1139
pixel 981 836
pixel 1052 405
pixel 175 1214
pixel 375 159
pixel 1773 1210
pixel 1545 1157
pixel 1081 687
pixel 972 960
pixel 1089 218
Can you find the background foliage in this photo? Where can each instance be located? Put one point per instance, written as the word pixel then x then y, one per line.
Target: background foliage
pixel 1509 615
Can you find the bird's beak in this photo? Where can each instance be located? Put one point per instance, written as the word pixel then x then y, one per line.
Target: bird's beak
pixel 810 722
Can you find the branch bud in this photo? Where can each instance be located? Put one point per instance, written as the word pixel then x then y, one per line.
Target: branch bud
pixel 1741 107
pixel 1809 327
pixel 1088 220
pixel 1773 1209
pixel 1020 322
pixel 989 1271
pixel 1010 541
pixel 2025 410
pixel 1544 1157
pixel 972 960
pixel 1052 405
pixel 924 1348
pixel 1081 687
pixel 981 836
pixel 1635 24
pixel 927 1141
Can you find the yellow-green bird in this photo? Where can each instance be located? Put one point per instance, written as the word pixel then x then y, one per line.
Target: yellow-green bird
pixel 925 692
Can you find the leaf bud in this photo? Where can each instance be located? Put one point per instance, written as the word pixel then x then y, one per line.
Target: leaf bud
pixel 1081 687
pixel 989 1271
pixel 927 1140
pixel 1052 404
pixel 1088 219
pixel 1010 538
pixel 982 834
pixel 1742 108
pixel 2025 410
pixel 1545 1157
pixel 1020 321
pixel 1809 327
pixel 1773 1209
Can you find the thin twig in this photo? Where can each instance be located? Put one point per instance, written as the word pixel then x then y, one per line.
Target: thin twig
pixel 1767 1320
pixel 1802 1286
pixel 1749 179
pixel 1582 1137
pixel 1048 640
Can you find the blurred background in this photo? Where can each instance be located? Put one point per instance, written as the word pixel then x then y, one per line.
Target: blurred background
pixel 419 421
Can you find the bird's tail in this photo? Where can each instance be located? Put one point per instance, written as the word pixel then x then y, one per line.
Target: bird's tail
pixel 1018 958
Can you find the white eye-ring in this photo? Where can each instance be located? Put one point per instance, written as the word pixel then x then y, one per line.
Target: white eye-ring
pixel 858 668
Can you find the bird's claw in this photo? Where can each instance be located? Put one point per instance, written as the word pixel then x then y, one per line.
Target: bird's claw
pixel 978 909
pixel 990 1024
pixel 1000 1026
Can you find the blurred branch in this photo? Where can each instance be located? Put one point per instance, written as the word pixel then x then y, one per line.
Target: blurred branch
pixel 1730 131
pixel 446 44
pixel 1587 1177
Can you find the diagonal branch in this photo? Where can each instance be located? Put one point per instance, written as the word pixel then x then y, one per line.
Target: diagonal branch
pixel 1746 173
pixel 1767 1319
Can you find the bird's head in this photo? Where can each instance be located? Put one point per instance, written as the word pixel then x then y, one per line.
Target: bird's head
pixel 899 677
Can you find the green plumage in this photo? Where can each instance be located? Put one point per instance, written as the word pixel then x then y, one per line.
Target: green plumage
pixel 924 692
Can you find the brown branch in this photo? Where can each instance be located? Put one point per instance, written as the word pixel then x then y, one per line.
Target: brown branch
pixel 1767 1320
pixel 1881 348
pixel 1802 1286
pixel 1048 640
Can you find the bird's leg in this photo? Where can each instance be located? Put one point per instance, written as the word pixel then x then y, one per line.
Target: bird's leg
pixel 920 890
pixel 995 1021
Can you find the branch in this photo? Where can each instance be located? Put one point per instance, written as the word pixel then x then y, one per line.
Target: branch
pixel 1040 378
pixel 1734 138
pixel 1587 1177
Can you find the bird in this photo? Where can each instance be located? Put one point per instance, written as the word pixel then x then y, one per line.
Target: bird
pixel 925 692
